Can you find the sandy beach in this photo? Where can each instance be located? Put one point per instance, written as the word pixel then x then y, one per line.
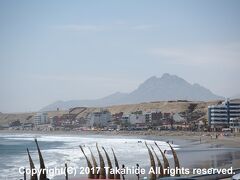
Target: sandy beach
pixel 231 141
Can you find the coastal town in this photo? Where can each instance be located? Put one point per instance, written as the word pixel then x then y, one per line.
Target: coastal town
pixel 223 116
pixel 143 90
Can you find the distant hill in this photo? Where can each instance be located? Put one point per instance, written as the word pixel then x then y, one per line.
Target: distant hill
pixel 6 118
pixel 199 112
pixel 166 88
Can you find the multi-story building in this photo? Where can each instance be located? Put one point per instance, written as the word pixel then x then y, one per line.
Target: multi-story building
pixel 219 115
pixel 40 118
pixel 100 119
pixel 136 119
pixel 156 118
pixel 116 118
pixel 125 120
pixel 234 124
pixel 55 121
pixel 148 118
pixel 153 118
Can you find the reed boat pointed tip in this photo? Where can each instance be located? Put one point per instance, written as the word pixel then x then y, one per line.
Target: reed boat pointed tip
pixel 90 174
pixel 165 160
pixel 43 175
pixel 176 161
pixel 152 162
pixel 110 175
pixel 161 174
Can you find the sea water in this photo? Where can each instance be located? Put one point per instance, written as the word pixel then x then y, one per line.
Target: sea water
pixel 60 149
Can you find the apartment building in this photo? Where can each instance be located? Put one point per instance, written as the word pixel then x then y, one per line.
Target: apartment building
pixel 219 115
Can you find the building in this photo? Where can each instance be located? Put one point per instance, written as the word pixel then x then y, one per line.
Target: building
pixel 125 120
pixel 40 118
pixel 116 118
pixel 219 115
pixel 234 124
pixel 153 118
pixel 27 126
pixel 156 118
pixel 137 119
pixel 100 119
pixel 67 120
pixel 148 118
pixel 167 116
pixel 55 121
pixel 15 123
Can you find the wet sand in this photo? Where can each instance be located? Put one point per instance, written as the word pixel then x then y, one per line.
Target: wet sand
pixel 181 136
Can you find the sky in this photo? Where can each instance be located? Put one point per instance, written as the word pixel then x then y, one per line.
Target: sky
pixel 64 50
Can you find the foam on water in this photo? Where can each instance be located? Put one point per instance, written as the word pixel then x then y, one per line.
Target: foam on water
pixel 59 149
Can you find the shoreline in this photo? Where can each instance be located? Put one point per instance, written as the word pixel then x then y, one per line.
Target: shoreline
pixel 201 137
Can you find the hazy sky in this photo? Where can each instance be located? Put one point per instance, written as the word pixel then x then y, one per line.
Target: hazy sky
pixel 63 50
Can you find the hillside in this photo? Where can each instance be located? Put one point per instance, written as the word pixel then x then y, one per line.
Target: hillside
pixel 5 118
pixel 199 107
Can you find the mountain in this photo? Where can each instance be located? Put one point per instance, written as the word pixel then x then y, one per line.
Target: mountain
pixel 168 87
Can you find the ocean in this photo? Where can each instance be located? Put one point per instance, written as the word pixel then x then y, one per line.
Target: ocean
pixel 60 149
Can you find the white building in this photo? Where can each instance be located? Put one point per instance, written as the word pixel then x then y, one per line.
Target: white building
pixel 219 115
pixel 234 124
pixel 137 119
pixel 40 118
pixel 100 119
